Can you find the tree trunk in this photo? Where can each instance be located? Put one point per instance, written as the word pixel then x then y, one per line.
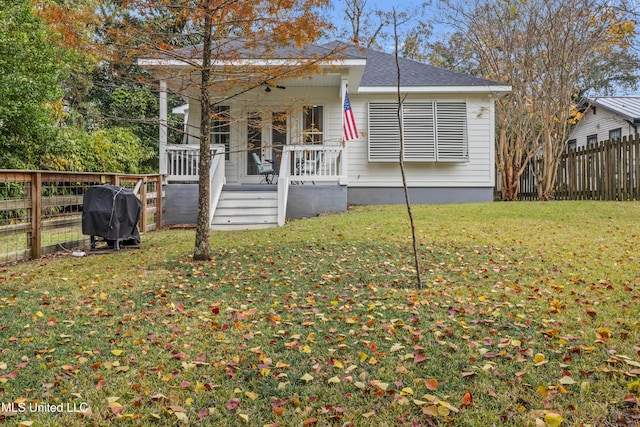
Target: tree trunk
pixel 202 250
pixel 416 255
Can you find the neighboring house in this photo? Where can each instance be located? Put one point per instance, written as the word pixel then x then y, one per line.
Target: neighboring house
pixel 448 122
pixel 604 119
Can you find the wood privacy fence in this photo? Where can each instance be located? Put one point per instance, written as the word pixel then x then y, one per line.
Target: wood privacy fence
pixel 41 212
pixel 608 170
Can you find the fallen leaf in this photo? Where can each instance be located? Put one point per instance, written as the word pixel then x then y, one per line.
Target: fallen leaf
pixel 553 419
pixel 251 395
pixel 566 380
pixel 432 384
pixel 467 399
pixel 306 378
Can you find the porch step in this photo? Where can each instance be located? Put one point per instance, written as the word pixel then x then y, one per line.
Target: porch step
pixel 245 209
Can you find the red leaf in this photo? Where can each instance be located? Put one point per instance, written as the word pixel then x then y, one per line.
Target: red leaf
pixel 419 357
pixel 309 422
pixel 232 404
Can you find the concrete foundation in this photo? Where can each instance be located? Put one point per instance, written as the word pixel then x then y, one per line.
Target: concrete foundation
pixel 424 195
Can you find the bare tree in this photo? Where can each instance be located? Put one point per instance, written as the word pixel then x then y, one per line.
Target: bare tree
pixel 549 52
pixel 370 27
pixel 414 240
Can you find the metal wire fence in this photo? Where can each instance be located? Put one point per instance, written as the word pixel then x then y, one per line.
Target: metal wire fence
pixel 41 212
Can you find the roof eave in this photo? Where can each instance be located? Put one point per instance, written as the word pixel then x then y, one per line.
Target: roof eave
pixel 435 89
pixel 177 63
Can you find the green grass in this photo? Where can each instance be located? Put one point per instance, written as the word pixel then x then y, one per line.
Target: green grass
pixel 531 309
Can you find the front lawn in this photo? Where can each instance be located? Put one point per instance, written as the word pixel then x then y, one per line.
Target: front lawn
pixel 529 316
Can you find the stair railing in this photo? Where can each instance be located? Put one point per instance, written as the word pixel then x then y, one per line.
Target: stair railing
pixel 217 177
pixel 284 179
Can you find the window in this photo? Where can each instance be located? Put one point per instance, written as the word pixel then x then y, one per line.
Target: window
pixel 592 139
pixel 221 127
pixel 615 134
pixel 313 124
pixel 434 131
pixel 571 144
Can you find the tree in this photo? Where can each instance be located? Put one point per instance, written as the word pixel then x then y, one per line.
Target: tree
pixel 414 240
pixel 548 51
pixel 373 28
pixel 214 36
pixel 32 69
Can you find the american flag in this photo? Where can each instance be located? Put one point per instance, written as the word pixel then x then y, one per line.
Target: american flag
pixel 349 130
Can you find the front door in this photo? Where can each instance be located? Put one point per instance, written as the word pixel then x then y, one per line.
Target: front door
pixel 266 137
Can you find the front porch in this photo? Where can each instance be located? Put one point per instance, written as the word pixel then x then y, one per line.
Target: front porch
pixel 310 179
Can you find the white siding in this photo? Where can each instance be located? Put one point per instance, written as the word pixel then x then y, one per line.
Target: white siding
pixel 599 124
pixel 478 171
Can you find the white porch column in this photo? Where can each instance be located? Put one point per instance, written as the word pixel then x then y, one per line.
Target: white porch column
pixel 163 127
pixel 344 164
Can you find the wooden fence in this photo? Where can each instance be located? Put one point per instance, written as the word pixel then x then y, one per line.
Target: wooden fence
pixel 608 170
pixel 41 212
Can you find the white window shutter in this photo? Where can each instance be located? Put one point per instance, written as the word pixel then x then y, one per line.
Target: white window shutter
pixel 419 138
pixel 451 128
pixel 433 131
pixel 384 132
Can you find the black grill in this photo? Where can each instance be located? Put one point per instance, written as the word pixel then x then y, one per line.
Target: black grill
pixel 112 213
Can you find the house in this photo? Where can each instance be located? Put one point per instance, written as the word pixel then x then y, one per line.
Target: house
pixel 605 118
pixel 448 124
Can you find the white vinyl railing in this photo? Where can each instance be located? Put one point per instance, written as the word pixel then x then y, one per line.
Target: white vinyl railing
pixel 313 163
pixel 299 164
pixel 182 162
pixel 307 164
pixel 217 178
pixel 283 187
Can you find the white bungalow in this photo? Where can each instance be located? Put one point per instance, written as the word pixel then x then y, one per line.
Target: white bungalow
pixel 604 119
pixel 448 121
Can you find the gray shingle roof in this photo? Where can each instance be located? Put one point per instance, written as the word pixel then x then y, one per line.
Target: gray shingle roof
pixel 381 70
pixel 625 106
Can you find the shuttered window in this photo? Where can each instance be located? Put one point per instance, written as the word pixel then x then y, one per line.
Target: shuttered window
pixel 384 141
pixel 434 131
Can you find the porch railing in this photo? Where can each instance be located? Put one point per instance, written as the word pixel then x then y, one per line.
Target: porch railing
pixel 307 164
pixel 217 178
pixel 182 163
pixel 315 163
pixel 299 164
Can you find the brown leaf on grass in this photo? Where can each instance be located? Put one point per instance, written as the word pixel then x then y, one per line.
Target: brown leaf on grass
pixel 467 399
pixel 432 384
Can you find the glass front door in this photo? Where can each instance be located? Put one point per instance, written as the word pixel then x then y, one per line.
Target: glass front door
pixel 266 137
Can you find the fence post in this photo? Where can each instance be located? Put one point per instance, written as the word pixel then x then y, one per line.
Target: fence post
pixel 36 215
pixel 159 202
pixel 143 199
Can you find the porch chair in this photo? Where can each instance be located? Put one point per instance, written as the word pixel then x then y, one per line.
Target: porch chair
pixel 267 174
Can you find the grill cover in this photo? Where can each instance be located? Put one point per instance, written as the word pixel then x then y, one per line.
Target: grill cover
pixel 112 213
